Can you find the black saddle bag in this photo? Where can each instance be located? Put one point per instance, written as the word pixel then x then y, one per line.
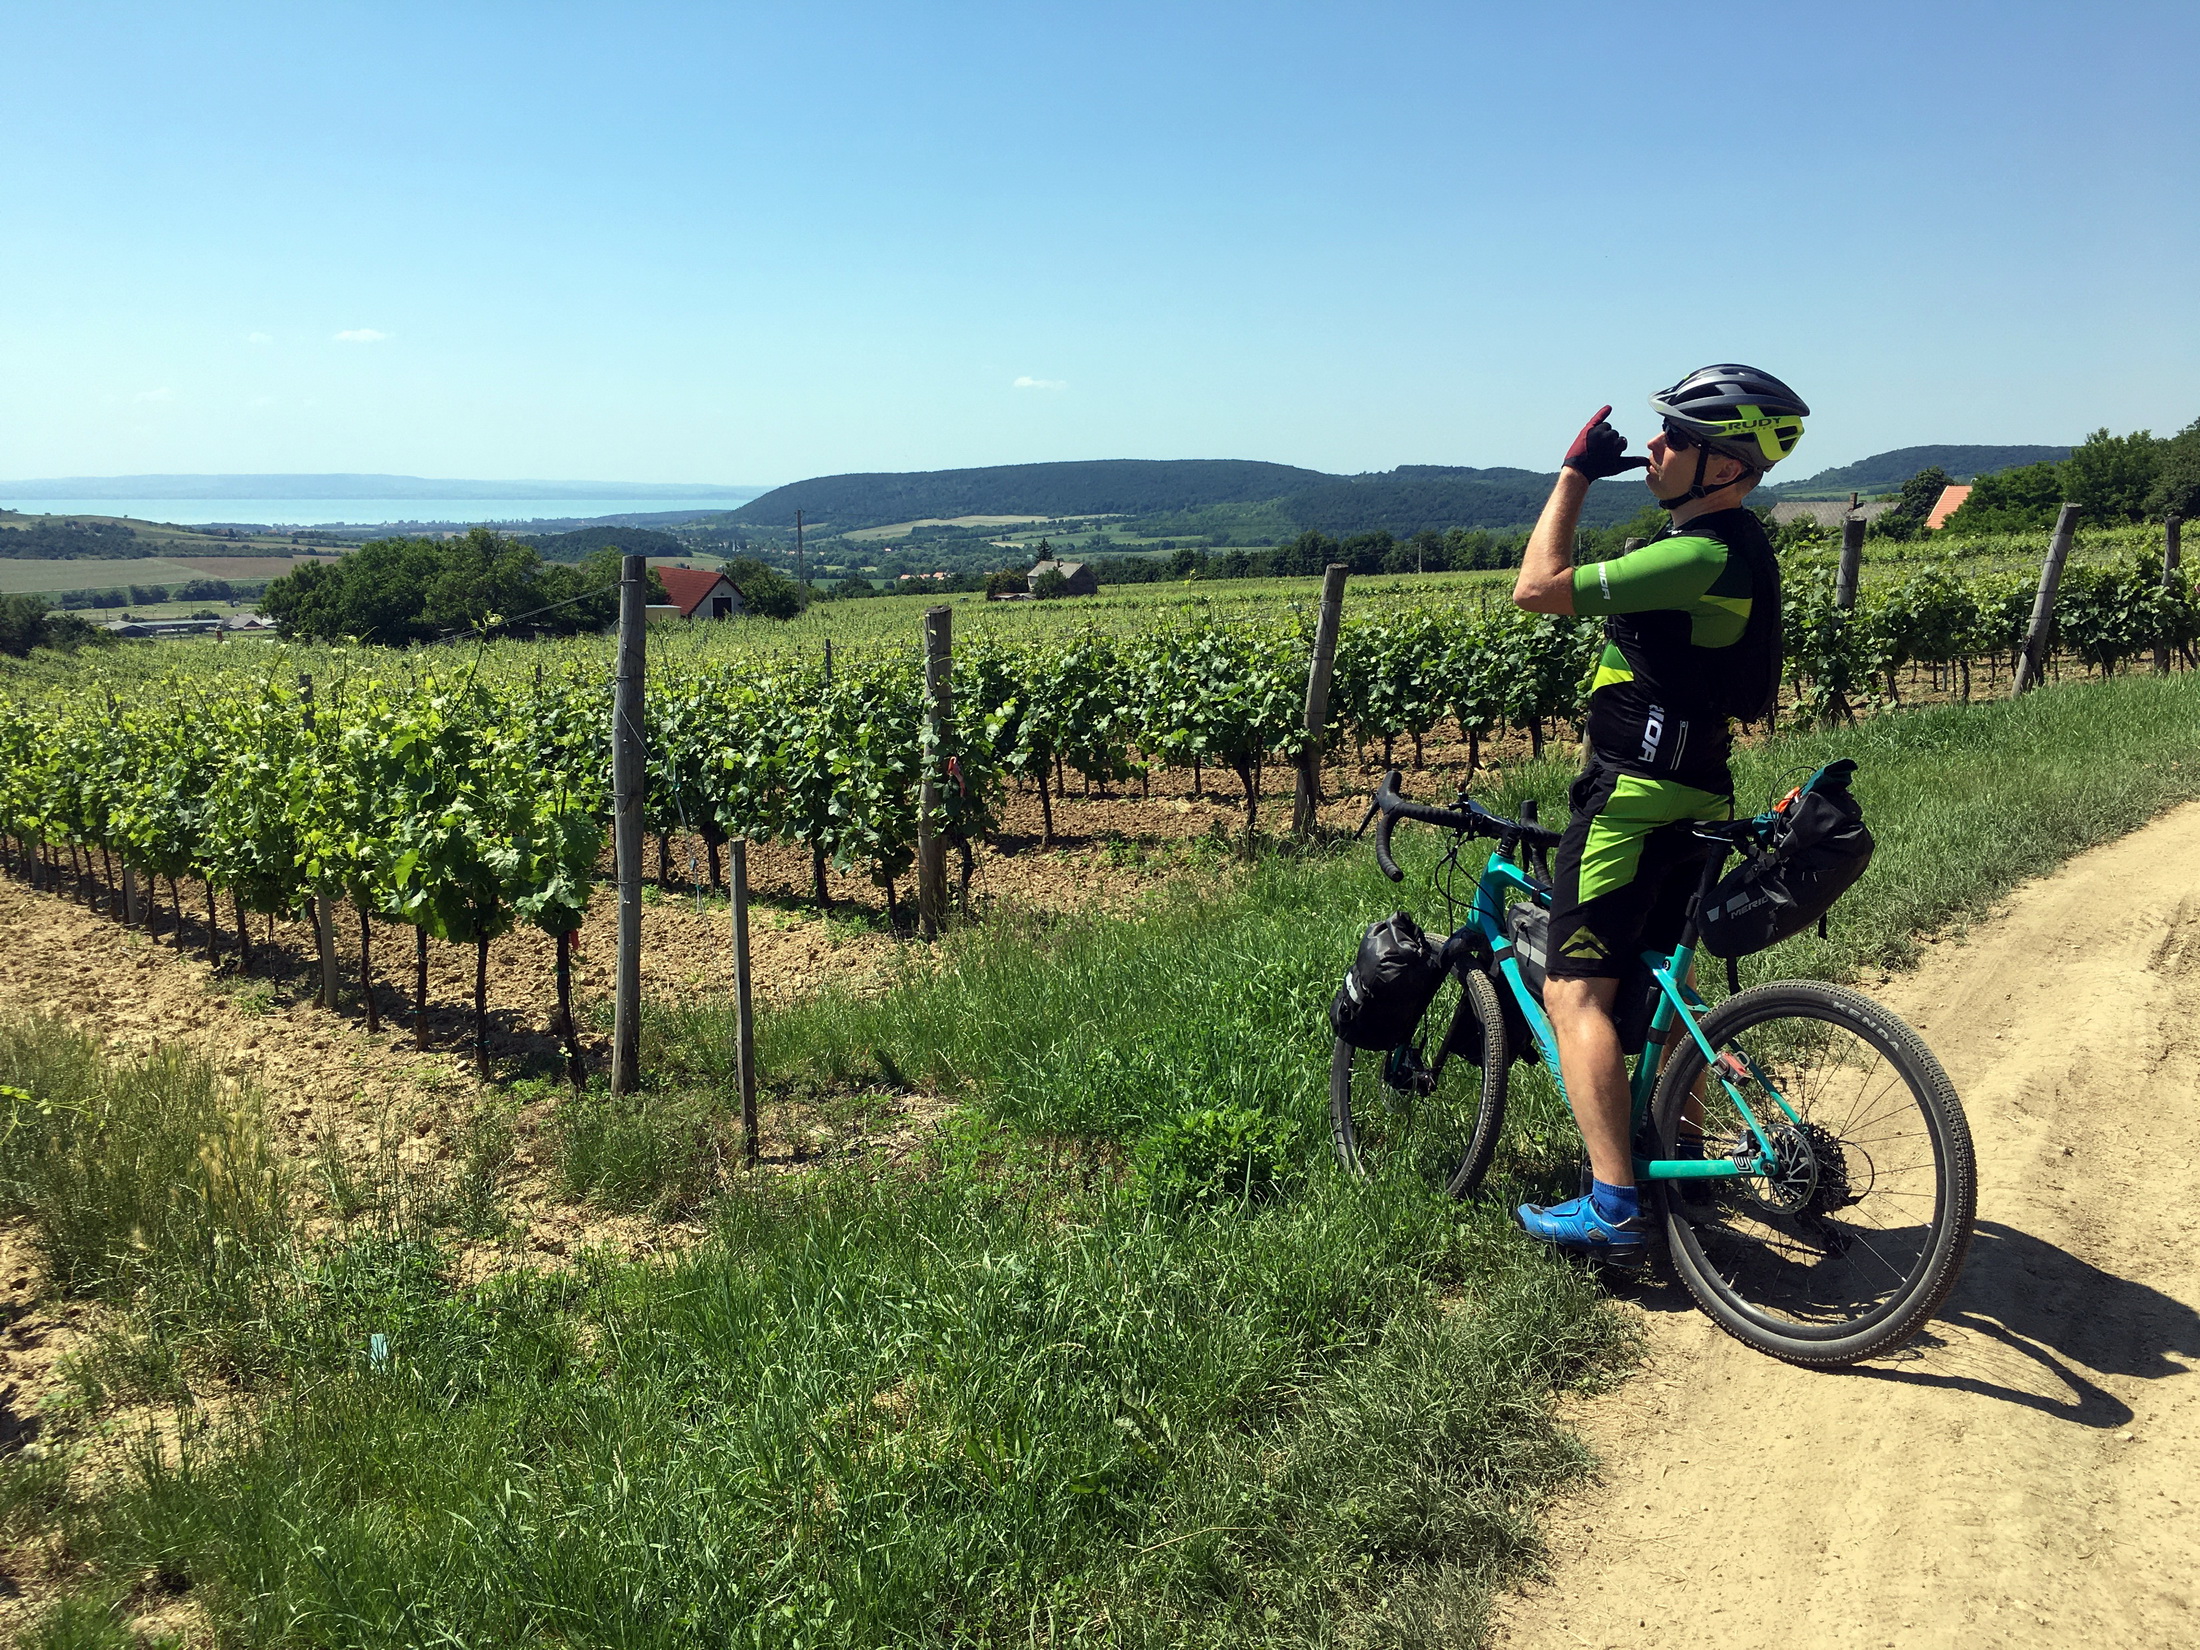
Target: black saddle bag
pixel 1814 848
pixel 1388 987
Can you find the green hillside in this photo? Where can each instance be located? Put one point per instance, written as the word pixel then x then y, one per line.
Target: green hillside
pixel 1883 472
pixel 1226 498
pixel 1412 497
pixel 1113 487
pixel 586 541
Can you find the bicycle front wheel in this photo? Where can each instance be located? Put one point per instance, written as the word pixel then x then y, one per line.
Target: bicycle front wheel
pixel 1858 1233
pixel 1434 1107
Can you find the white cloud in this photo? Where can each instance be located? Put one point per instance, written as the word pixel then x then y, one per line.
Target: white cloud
pixel 361 335
pixel 259 338
pixel 164 393
pixel 1028 383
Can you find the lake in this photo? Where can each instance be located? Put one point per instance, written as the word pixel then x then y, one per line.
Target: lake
pixel 359 512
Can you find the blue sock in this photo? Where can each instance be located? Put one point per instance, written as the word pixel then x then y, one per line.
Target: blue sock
pixel 1615 1204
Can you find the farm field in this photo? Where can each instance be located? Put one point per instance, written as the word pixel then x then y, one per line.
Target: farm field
pixel 26 576
pixel 964 1322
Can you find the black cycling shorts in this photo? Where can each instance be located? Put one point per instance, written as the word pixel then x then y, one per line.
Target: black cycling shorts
pixel 1626 868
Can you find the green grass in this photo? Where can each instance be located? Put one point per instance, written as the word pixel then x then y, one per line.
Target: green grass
pixel 147 1177
pixel 1115 1358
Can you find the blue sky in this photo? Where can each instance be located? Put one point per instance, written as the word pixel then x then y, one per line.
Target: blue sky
pixel 748 244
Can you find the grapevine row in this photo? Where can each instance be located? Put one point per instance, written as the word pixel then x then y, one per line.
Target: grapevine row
pixel 466 804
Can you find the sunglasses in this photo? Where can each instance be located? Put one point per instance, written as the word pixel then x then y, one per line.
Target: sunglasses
pixel 1678 439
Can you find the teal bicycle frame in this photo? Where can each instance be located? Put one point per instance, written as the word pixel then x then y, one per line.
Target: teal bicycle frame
pixel 1677 1001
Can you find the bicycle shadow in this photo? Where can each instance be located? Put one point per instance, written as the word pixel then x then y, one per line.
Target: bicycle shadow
pixel 2030 1324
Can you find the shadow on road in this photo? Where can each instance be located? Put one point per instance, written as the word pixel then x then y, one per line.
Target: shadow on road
pixel 2030 1323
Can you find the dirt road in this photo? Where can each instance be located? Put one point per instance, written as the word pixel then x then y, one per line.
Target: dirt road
pixel 2027 1473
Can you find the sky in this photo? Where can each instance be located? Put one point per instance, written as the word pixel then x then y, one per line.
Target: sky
pixel 747 244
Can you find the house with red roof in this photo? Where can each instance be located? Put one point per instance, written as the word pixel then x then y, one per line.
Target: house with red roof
pixel 697 593
pixel 1950 501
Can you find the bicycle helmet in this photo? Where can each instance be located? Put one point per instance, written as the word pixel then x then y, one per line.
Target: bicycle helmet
pixel 1737 411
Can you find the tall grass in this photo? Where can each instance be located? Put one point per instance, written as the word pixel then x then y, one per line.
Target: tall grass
pixel 985 1407
pixel 151 1175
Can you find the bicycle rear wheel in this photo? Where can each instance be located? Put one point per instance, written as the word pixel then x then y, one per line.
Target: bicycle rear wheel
pixel 1406 1111
pixel 1859 1233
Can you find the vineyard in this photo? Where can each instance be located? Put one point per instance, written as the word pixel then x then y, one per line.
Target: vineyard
pixel 464 794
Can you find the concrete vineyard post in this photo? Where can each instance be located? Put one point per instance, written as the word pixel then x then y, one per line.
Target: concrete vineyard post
pixel 1318 672
pixel 2033 663
pixel 628 775
pixel 931 849
pixel 744 1016
pixel 1852 562
pixel 2172 533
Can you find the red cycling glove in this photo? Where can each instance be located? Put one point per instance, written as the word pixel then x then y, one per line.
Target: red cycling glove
pixel 1600 451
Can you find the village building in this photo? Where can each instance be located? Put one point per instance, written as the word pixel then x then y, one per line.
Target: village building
pixel 1078 577
pixel 697 593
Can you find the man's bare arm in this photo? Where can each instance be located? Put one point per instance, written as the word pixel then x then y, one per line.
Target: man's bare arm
pixel 1546 582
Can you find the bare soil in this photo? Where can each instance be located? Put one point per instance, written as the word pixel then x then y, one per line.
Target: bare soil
pixel 2025 1473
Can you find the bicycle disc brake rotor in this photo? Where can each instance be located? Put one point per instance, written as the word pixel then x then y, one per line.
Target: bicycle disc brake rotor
pixel 1788 1186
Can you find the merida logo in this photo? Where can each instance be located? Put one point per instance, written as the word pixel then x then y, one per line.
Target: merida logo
pixel 1653 730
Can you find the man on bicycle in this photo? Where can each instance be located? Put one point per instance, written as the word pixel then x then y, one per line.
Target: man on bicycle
pixel 1692 641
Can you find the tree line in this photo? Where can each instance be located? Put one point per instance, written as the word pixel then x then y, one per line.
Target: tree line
pixel 2113 479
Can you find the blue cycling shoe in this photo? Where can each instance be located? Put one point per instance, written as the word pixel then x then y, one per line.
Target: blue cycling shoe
pixel 1576 1225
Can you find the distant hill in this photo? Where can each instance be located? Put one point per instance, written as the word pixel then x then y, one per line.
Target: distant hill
pixel 354 486
pixel 1110 486
pixel 1190 495
pixel 1883 472
pixel 1440 496
pixel 628 541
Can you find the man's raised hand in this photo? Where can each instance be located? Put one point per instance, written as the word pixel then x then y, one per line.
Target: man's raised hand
pixel 1600 451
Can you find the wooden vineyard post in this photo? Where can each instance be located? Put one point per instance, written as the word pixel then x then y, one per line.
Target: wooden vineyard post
pixel 744 1015
pixel 817 850
pixel 324 924
pixel 2172 533
pixel 129 895
pixel 2032 664
pixel 1852 562
pixel 628 775
pixel 1318 672
pixel 939 659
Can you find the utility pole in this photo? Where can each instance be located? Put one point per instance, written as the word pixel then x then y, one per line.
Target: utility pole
pixel 628 776
pixel 799 576
pixel 1317 699
pixel 931 850
pixel 2032 665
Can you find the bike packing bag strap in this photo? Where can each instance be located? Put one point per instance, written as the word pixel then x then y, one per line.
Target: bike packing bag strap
pixel 1388 987
pixel 1813 848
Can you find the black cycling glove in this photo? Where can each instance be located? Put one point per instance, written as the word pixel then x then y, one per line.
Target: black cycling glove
pixel 1600 451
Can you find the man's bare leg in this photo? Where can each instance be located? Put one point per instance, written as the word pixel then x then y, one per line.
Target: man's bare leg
pixel 1596 1073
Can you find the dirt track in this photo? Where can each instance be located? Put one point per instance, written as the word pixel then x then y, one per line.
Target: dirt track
pixel 2028 1472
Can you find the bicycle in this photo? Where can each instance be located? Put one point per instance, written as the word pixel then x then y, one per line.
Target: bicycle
pixel 1808 1164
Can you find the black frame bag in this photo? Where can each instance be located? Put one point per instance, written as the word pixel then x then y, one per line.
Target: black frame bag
pixel 1389 985
pixel 1815 847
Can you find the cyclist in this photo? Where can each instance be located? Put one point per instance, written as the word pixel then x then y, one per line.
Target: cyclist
pixel 1692 639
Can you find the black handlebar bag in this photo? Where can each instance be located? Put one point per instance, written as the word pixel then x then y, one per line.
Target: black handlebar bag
pixel 1388 987
pixel 1815 847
